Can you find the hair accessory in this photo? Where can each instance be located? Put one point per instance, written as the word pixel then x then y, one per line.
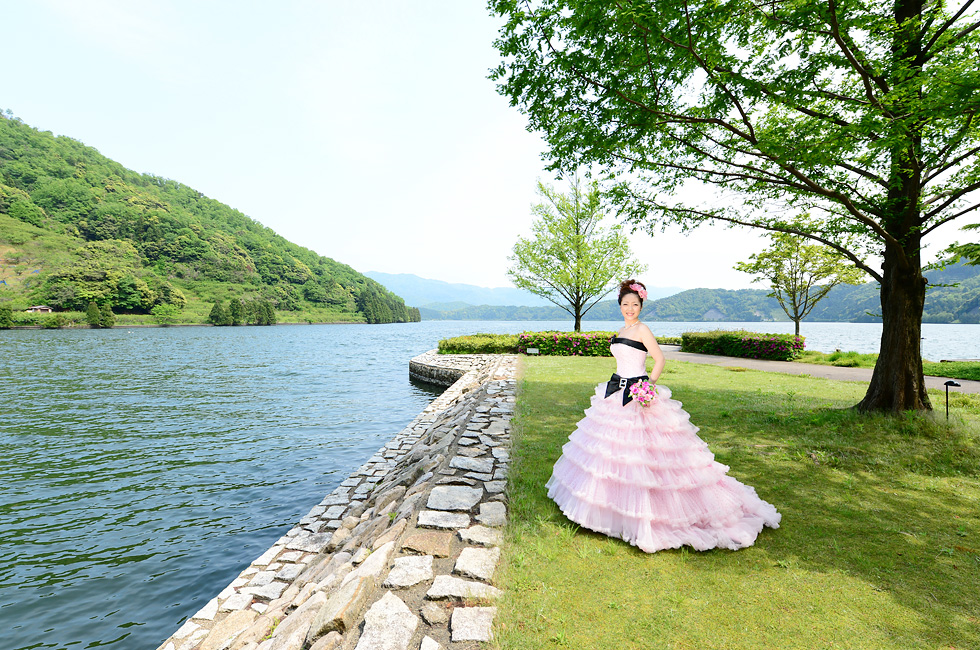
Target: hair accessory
pixel 640 291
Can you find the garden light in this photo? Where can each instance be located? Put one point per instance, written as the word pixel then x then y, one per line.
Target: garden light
pixel 947 385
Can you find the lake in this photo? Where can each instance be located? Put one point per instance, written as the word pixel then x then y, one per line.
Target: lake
pixel 144 468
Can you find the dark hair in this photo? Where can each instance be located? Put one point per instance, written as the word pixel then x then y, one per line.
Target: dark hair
pixel 625 288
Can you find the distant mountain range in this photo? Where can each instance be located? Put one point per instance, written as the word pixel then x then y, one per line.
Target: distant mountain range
pixel 436 295
pixel 860 303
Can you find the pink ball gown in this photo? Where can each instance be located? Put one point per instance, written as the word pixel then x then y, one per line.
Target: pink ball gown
pixel 641 473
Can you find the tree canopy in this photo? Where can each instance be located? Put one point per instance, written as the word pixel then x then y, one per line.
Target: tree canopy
pixel 800 274
pixel 571 259
pixel 860 113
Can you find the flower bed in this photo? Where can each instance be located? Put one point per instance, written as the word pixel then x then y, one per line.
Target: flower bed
pixel 579 344
pixel 740 343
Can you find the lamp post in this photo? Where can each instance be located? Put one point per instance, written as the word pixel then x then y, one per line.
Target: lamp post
pixel 947 385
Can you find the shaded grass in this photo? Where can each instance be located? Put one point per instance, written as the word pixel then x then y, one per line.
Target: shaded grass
pixel 878 546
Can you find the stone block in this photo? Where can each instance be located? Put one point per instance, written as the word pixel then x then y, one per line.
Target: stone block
pixel 454 497
pixel 390 535
pixel 225 630
pixel 311 543
pixel 479 563
pixel 409 571
pixel 481 535
pixel 449 587
pixel 439 544
pixel 236 602
pixel 428 643
pixel 374 565
pixel 388 625
pixel 472 624
pixel 270 591
pixel 480 465
pixel 342 609
pixel 434 614
pixel 493 514
pixel 445 520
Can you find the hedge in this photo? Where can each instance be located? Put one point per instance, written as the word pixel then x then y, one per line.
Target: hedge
pixel 479 344
pixel 584 344
pixel 740 343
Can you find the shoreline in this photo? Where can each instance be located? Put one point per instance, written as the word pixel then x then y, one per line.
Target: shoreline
pixel 399 547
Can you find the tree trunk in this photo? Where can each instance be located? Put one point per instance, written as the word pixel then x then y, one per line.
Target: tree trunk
pixel 578 320
pixel 898 383
pixel 797 321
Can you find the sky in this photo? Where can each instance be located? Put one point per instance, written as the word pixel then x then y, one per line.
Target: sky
pixel 367 132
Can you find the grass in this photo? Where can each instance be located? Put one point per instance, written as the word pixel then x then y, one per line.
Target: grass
pixel 955 369
pixel 878 548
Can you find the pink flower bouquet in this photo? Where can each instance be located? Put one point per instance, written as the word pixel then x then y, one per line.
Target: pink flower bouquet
pixel 644 392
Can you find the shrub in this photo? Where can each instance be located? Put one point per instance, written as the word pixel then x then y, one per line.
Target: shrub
pixel 748 345
pixel 580 344
pixel 480 344
pixel 586 344
pixel 53 321
pixel 6 317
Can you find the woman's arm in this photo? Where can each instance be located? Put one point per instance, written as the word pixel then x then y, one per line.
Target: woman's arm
pixel 646 336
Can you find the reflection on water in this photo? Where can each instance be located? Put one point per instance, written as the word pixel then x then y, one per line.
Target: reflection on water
pixel 142 469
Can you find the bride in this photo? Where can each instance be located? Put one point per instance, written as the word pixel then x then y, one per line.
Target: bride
pixel 640 472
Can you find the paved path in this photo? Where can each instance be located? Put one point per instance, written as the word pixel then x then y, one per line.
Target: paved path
pixel 673 352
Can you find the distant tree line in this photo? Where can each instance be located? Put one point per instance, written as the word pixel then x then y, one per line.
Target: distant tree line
pixel 255 311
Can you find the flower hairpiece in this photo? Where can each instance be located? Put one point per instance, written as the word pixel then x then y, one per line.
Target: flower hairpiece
pixel 640 291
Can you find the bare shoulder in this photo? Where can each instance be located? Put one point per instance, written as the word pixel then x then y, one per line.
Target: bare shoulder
pixel 647 337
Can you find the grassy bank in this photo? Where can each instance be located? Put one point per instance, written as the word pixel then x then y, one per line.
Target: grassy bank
pixel 879 544
pixel 956 369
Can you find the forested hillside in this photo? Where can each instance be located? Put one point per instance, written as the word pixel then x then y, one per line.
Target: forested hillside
pixel 76 227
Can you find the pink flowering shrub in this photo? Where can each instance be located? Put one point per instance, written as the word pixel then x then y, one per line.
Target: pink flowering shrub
pixel 579 344
pixel 748 345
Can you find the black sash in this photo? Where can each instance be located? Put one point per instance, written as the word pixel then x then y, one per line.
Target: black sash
pixel 616 383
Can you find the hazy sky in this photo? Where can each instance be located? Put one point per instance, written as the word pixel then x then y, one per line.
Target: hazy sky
pixel 368 132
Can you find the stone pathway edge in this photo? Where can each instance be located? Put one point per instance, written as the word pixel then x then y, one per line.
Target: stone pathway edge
pixel 401 555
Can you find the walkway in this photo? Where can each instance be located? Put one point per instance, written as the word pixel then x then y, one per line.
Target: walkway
pixel 673 352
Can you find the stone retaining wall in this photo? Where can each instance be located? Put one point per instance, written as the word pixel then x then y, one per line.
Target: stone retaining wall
pixel 402 552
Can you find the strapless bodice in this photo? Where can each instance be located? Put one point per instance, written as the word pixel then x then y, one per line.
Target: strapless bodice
pixel 630 355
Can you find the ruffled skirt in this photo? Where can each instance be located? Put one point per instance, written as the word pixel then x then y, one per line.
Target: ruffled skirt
pixel 642 474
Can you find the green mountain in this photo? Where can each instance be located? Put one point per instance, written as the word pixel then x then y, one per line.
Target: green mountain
pixel 76 227
pixel 945 303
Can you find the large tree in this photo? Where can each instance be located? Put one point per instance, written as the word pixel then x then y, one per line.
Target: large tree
pixel 861 113
pixel 572 260
pixel 800 274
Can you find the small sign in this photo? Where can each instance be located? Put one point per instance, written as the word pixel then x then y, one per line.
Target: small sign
pixel 532 351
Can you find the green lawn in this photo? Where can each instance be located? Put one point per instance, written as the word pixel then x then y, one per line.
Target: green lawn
pixel 878 546
pixel 957 369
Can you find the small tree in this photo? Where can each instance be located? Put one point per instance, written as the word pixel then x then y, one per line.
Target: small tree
pixel 6 317
pixel 165 314
pixel 218 315
pixel 236 311
pixel 800 274
pixel 107 317
pixel 93 314
pixel 571 261
pixel 270 313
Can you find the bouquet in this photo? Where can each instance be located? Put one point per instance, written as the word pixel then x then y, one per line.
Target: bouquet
pixel 644 392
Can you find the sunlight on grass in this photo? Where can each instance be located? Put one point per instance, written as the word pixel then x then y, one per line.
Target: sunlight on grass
pixel 878 546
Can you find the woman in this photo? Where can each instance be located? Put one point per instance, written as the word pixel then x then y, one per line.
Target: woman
pixel 641 473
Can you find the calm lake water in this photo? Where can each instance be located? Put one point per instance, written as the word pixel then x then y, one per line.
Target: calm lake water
pixel 143 469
